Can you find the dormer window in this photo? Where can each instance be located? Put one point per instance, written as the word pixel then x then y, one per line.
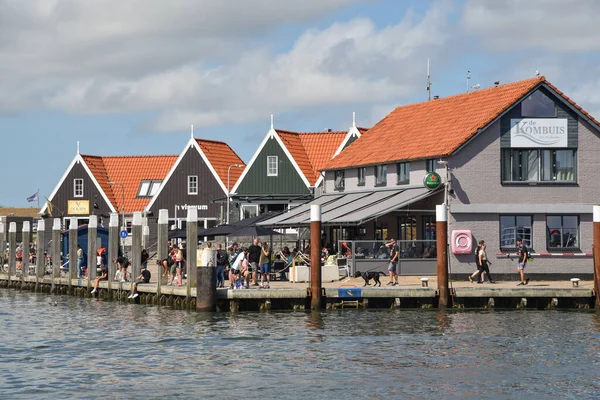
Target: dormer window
pixel 148 188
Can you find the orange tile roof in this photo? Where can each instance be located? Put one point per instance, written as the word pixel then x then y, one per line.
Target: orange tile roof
pixel 221 157
pixel 311 150
pixel 434 128
pixel 130 171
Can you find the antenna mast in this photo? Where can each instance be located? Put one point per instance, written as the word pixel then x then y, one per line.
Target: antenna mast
pixel 428 82
pixel 468 79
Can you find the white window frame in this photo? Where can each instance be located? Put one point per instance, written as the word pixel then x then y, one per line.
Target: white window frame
pixel 244 206
pixel 339 178
pixel 154 186
pixel 403 173
pixel 144 185
pixel 191 190
pixel 275 161
pixel 75 181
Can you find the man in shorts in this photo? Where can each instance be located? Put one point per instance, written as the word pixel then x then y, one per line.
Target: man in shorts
pixel 393 262
pixel 143 278
pixel 254 252
pixel 523 254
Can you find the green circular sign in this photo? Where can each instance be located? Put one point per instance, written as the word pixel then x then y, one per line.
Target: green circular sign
pixel 432 180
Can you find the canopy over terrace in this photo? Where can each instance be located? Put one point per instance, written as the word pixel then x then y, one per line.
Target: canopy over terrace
pixel 351 208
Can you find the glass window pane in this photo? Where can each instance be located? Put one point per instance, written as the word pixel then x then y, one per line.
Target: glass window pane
pixel 361 176
pixel 537 105
pixel 154 188
pixel 532 165
pixel 507 231
pixel 144 188
pixel 506 163
pixel 547 165
pixel 516 165
pixel 564 160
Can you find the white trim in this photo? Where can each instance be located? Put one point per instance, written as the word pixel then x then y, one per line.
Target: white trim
pixel 248 205
pixel 191 143
pixel 276 166
pixel 75 187
pixel 77 159
pixel 269 135
pixel 351 132
pixel 188 185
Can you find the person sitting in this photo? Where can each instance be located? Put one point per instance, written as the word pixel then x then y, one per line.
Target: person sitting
pixel 427 252
pixel 144 277
pixel 279 266
pixel 103 276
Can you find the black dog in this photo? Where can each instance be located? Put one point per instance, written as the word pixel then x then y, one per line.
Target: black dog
pixel 367 276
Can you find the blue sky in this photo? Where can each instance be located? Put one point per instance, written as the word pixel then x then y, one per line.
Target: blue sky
pixel 132 77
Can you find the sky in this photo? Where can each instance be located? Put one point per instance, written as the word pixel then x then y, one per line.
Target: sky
pixel 131 76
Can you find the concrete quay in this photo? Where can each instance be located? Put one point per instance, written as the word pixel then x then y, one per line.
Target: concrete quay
pixel 346 293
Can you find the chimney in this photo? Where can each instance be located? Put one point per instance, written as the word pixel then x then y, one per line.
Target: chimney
pixel 436 97
pixel 328 130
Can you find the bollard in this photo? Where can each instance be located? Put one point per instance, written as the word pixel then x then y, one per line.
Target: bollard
pixel 12 251
pixel 145 235
pixel 315 256
pixel 162 246
pixel 206 288
pixel 441 237
pixel 91 250
pixel 192 254
pixel 113 249
pixel 25 252
pixel 40 247
pixel 55 253
pixel 73 273
pixel 596 252
pixel 136 245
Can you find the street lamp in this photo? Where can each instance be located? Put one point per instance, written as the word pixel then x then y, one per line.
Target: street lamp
pixel 228 187
pixel 122 210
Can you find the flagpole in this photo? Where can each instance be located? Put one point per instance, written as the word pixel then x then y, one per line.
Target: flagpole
pixel 38 198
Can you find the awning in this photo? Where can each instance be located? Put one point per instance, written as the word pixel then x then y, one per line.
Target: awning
pixel 351 208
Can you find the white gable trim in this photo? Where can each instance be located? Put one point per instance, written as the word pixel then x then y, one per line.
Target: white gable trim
pixel 353 131
pixel 269 135
pixel 78 160
pixel 191 143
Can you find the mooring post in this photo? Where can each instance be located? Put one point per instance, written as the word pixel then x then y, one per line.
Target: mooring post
pixel 91 250
pixel 315 256
pixel 162 246
pixel 2 246
pixel 55 253
pixel 596 252
pixel 40 247
pixel 12 251
pixel 145 235
pixel 192 247
pixel 136 244
pixel 73 241
pixel 441 237
pixel 26 245
pixel 113 249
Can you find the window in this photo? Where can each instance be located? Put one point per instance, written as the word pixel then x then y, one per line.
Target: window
pixel 192 184
pixel 272 165
pixel 562 232
pixel 429 231
pixel 149 188
pixel 381 175
pixel 362 171
pixel 430 165
pixel 538 105
pixel 513 227
pixel 249 211
pixel 78 188
pixel 339 179
pixel 538 165
pixel 403 173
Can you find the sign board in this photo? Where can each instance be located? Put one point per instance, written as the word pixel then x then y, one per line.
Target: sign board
pixel 78 207
pixel 347 292
pixel 123 234
pixel 538 132
pixel 184 207
pixel 432 180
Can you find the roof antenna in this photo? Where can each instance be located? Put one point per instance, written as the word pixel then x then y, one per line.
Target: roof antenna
pixel 428 82
pixel 78 147
pixel 468 80
pixel 353 119
pixel 271 121
pixel 192 134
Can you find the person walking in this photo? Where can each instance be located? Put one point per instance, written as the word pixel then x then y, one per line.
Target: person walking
pixel 484 263
pixel 479 273
pixel 523 254
pixel 254 252
pixel 394 251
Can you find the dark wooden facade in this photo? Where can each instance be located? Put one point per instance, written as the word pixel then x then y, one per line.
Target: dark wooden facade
pixel 174 194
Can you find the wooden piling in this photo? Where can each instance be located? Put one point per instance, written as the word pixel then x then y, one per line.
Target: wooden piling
pixel 192 246
pixel 12 251
pixel 72 252
pixel 315 256
pixel 113 249
pixel 40 267
pixel 55 253
pixel 26 245
pixel 91 249
pixel 136 244
pixel 162 249
pixel 2 245
pixel 441 236
pixel 596 252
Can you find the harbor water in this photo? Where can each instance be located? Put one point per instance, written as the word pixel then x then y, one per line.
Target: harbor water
pixel 65 347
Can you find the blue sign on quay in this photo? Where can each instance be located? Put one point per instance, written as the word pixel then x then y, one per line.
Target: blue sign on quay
pixel 123 234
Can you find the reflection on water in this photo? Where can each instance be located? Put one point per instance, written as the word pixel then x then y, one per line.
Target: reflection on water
pixel 97 349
